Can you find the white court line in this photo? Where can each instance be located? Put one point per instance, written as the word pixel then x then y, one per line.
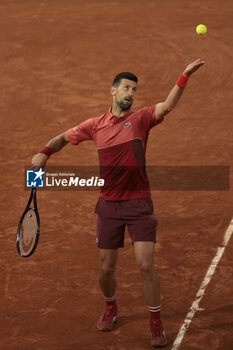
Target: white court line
pixel 205 282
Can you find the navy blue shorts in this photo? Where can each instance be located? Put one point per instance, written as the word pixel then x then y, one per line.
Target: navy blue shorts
pixel 113 216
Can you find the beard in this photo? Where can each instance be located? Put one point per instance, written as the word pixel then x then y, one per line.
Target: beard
pixel 125 105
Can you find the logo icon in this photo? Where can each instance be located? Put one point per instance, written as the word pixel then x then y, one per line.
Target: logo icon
pixel 127 124
pixel 35 178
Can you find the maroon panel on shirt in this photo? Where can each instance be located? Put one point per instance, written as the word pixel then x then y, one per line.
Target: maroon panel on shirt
pixel 123 170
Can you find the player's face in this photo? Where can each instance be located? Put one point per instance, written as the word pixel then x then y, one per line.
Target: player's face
pixel 124 93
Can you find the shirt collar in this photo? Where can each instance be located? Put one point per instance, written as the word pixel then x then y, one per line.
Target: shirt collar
pixel 111 116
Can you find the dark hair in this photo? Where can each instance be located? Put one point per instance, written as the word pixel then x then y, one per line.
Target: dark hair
pixel 124 75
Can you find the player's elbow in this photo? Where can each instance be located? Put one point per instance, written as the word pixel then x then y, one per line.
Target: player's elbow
pixel 64 137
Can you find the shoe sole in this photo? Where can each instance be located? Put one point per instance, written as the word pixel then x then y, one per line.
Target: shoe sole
pixel 159 345
pixel 114 320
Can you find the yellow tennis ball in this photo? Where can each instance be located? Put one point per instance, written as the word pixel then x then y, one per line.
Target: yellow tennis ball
pixel 201 29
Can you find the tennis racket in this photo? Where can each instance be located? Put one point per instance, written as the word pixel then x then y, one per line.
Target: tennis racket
pixel 29 228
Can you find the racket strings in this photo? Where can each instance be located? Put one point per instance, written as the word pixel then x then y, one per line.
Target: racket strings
pixel 28 232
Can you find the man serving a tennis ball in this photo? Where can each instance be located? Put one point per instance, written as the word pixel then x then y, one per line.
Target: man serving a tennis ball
pixel 121 136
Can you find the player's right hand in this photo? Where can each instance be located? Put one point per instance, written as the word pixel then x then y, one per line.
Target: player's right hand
pixel 38 161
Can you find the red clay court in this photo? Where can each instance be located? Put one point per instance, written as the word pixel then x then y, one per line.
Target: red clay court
pixel 58 59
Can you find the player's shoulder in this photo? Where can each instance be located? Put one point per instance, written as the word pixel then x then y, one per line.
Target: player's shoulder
pixel 100 120
pixel 146 110
pixel 99 117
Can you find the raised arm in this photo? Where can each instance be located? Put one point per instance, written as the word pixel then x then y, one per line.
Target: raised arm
pixel 163 108
pixel 56 144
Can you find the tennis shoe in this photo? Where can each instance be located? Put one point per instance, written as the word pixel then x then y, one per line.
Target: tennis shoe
pixel 158 336
pixel 108 318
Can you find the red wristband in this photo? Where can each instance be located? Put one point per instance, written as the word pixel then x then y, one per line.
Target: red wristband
pixel 47 151
pixel 182 81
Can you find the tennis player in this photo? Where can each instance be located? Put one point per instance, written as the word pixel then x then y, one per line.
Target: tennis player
pixel 121 136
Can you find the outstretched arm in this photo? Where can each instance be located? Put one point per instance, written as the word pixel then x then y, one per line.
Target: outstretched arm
pixel 167 106
pixel 56 144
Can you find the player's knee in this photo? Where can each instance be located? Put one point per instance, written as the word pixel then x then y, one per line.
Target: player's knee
pixel 108 264
pixel 107 269
pixel 146 268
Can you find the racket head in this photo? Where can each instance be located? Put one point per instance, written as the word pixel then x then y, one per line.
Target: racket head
pixel 28 231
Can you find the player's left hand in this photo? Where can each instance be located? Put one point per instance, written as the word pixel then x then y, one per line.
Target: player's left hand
pixel 192 67
pixel 39 161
